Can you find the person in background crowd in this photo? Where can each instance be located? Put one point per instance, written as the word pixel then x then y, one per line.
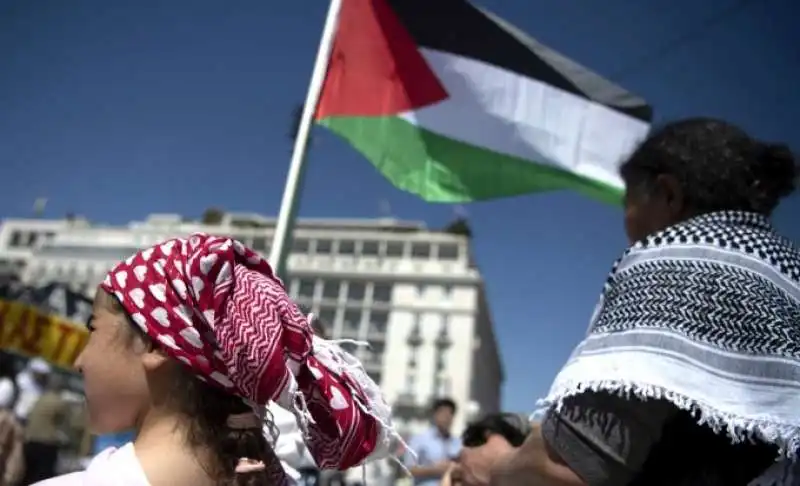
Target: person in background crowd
pixel 189 341
pixel 45 433
pixel 688 374
pixel 31 382
pixel 435 447
pixel 12 461
pixel 9 390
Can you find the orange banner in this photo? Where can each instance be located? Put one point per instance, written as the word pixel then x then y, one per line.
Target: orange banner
pixel 26 330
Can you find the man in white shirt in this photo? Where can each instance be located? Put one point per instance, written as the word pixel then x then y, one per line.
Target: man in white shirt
pixel 31 382
pixel 8 386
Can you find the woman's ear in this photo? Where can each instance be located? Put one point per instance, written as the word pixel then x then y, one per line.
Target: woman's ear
pixel 154 358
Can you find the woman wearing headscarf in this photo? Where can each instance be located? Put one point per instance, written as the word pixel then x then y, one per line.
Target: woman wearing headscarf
pixel 690 371
pixel 190 340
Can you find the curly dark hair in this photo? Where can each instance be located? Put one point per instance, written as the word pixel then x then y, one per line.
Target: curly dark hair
pixel 717 164
pixel 208 407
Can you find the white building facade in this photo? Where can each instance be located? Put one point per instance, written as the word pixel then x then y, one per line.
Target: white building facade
pixel 411 293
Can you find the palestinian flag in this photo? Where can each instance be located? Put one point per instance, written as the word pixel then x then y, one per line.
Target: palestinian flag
pixel 454 104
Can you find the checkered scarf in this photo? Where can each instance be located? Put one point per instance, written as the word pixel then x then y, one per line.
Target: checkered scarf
pixel 704 314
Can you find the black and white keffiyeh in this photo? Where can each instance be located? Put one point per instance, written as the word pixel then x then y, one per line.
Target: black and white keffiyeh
pixel 705 314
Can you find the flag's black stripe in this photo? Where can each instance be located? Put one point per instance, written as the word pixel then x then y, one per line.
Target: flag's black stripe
pixel 458 27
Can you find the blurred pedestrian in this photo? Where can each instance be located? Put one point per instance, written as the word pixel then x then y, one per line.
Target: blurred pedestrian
pixel 45 433
pixel 12 461
pixel 435 447
pixel 31 382
pixel 9 390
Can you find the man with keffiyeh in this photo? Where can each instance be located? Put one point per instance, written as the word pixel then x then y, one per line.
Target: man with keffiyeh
pixel 690 371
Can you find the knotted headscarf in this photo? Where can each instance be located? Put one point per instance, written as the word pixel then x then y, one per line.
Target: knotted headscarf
pixel 217 306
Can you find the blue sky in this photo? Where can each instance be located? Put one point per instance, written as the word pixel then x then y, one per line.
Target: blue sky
pixel 118 109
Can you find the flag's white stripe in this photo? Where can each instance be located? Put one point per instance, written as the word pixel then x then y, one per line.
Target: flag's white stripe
pixel 514 115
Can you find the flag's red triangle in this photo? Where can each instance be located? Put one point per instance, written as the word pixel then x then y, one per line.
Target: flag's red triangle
pixel 376 68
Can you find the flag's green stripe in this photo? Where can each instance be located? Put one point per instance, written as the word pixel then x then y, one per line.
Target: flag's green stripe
pixel 440 169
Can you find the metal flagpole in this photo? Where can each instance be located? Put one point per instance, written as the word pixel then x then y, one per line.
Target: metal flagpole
pixel 281 242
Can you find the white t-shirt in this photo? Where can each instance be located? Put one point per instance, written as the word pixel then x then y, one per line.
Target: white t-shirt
pixel 29 393
pixel 112 467
pixel 7 392
pixel 120 467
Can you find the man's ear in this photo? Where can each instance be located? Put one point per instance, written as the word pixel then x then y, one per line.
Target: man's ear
pixel 672 194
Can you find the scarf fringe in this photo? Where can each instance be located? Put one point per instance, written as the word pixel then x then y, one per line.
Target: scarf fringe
pixel 330 354
pixel 738 428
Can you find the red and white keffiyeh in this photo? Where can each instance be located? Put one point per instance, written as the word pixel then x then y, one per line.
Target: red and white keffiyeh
pixel 217 306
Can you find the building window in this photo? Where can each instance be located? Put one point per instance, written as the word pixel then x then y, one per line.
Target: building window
pixel 351 322
pixel 356 291
pixel 300 246
pixel 420 250
pixel 447 290
pixel 378 322
pixel 441 386
pixel 370 248
pixel 347 247
pixel 443 338
pixel 16 239
pixel 394 249
pixel 375 352
pixel 328 316
pixel 260 244
pixel 411 382
pixel 441 360
pixel 330 289
pixel 448 251
pixel 324 247
pixel 415 336
pixel 382 292
pixel 305 288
